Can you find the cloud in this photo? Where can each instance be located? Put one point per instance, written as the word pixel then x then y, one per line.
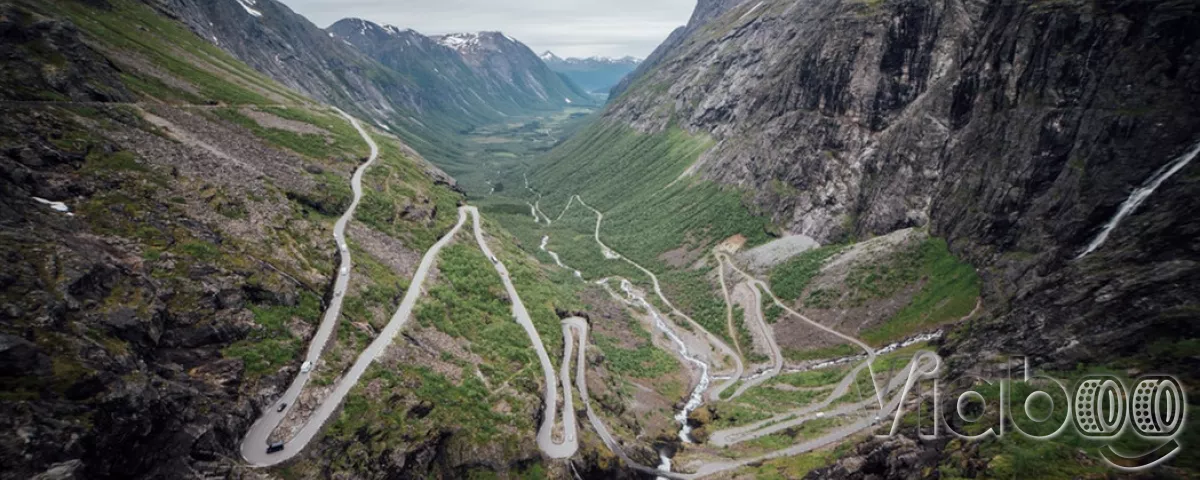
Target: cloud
pixel 576 28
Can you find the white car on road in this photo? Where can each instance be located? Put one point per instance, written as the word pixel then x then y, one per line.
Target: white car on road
pixel 306 367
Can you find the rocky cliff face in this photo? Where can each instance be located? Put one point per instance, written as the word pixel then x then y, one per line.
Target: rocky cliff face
pixel 46 60
pixel 856 105
pixel 705 10
pixel 1014 129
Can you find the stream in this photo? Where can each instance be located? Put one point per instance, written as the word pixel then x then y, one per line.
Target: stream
pixel 697 396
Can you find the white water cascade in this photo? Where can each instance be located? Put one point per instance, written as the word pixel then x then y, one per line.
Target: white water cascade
pixel 697 396
pixel 1139 195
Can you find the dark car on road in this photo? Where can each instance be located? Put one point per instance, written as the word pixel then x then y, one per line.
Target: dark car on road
pixel 274 447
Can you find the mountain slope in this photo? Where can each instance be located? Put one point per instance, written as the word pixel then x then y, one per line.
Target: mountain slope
pixel 705 11
pixel 165 218
pixel 510 69
pixel 1015 130
pixel 471 72
pixel 594 74
pixel 285 46
pixel 424 94
pixel 156 305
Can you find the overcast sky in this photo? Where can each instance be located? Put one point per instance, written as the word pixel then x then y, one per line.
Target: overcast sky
pixel 569 28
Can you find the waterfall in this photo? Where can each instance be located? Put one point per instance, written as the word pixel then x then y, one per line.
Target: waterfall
pixel 697 396
pixel 1139 195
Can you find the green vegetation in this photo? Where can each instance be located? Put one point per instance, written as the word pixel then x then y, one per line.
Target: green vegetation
pixel 136 29
pixel 469 302
pixel 203 251
pixel 571 237
pixel 544 290
pixel 949 292
pixel 465 407
pixel 691 292
pixel 401 200
pixel 762 402
pixel 268 348
pixel 632 178
pixel 811 378
pixel 98 162
pixel 1018 456
pixel 505 146
pixel 792 435
pixel 645 361
pixel 797 466
pixel 772 312
pixel 342 136
pixel 383 288
pixel 835 351
pixel 789 279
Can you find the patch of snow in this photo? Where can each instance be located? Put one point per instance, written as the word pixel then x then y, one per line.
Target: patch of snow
pixel 459 41
pixel 385 127
pixel 56 206
pixel 247 4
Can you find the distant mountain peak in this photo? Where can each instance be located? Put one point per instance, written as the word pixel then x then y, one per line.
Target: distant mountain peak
pixel 465 42
pixel 596 74
pixel 592 60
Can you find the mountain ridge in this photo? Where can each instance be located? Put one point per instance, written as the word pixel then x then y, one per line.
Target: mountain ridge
pixel 487 65
pixel 596 74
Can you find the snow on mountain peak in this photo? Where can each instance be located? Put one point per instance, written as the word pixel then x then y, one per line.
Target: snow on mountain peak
pixel 248 5
pixel 459 41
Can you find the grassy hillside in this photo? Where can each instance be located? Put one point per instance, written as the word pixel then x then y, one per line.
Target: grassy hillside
pixel 635 179
pixel 183 67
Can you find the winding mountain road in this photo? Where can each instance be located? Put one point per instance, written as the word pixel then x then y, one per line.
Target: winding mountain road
pixel 545 439
pixel 759 284
pixel 755 312
pixel 713 340
pixel 575 330
pixel 255 442
pixel 920 363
